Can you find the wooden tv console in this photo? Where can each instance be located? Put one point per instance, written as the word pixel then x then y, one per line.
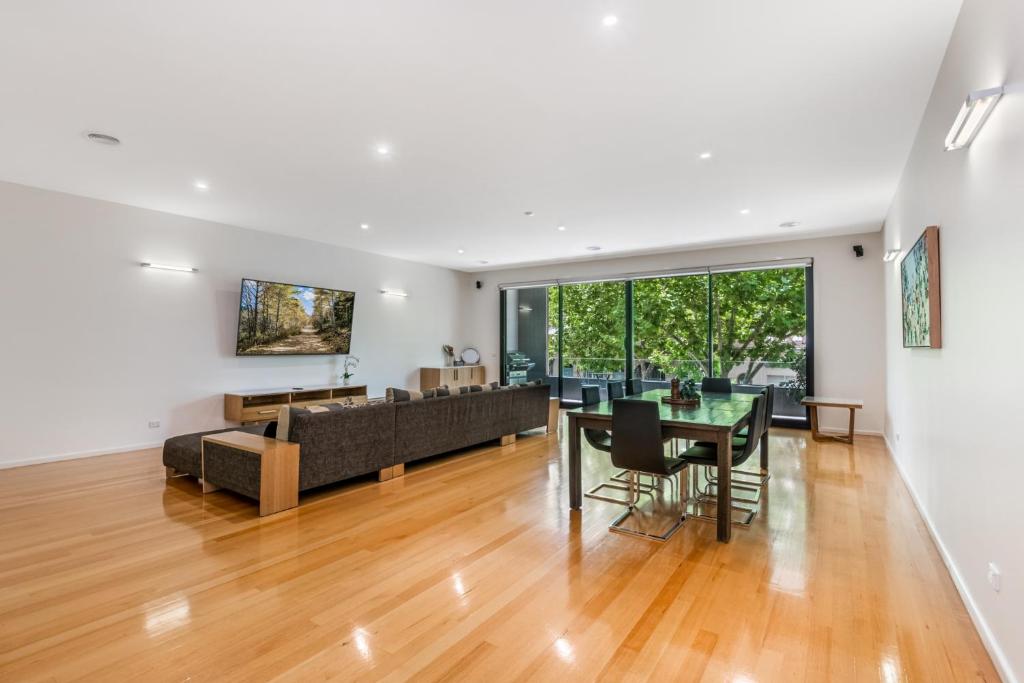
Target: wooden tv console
pixel 262 405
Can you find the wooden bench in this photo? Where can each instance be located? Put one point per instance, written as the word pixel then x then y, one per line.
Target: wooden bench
pixel 815 402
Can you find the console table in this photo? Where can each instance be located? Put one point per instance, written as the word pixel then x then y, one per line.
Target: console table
pixel 452 376
pixel 815 402
pixel 255 466
pixel 263 405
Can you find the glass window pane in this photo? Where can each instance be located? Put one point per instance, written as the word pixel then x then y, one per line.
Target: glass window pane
pixel 593 336
pixel 670 329
pixel 760 332
pixel 531 340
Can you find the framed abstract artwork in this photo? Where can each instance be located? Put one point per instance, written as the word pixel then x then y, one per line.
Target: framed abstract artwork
pixel 919 273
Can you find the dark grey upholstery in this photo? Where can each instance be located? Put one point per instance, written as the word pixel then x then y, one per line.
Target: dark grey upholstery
pixel 233 469
pixel 446 424
pixel 183 453
pixel 530 408
pixel 591 394
pixel 340 444
pixel 635 386
pixel 616 389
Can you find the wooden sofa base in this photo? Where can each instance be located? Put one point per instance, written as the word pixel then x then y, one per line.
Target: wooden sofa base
pixel 389 473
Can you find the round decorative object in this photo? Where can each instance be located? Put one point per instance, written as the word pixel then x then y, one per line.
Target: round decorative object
pixel 470 356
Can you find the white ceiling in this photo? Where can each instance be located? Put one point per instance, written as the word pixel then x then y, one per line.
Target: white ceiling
pixel 492 108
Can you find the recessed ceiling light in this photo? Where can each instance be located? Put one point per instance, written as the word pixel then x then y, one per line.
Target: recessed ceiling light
pixel 789 224
pixel 705 155
pixel 610 20
pixel 594 248
pixel 461 251
pixel 561 228
pixel 103 138
pixel 744 211
pixel 527 213
pixel 383 150
pixel 201 185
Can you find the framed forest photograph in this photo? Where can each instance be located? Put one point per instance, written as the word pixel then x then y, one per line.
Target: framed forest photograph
pixel 919 274
pixel 277 319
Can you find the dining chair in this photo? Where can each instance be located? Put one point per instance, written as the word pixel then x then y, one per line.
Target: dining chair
pixel 636 386
pixel 706 454
pixel 616 389
pixel 637 447
pixel 591 394
pixel 716 385
pixel 743 480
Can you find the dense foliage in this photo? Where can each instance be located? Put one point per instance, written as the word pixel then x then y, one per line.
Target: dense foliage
pixel 756 316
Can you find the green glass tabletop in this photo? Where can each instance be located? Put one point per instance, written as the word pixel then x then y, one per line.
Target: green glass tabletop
pixel 716 410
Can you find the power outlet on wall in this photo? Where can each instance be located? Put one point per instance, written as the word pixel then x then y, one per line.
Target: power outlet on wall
pixel 154 424
pixel 995 577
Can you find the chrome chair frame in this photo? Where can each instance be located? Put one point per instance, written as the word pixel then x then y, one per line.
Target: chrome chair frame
pixel 616 525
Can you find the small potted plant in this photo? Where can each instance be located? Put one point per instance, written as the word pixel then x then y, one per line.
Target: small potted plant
pixel 688 393
pixel 449 355
pixel 683 393
pixel 349 368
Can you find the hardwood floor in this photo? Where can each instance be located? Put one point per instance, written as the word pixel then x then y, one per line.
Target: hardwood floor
pixel 472 568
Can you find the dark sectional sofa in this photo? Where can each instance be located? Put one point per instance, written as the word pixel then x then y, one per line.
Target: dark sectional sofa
pixel 342 443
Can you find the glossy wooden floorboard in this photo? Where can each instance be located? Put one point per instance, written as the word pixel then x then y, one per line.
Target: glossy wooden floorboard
pixel 471 567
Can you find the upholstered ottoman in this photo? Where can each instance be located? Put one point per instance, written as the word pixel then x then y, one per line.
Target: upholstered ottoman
pixel 182 454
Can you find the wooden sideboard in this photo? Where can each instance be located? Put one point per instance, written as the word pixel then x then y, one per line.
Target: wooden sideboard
pixel 262 405
pixel 453 376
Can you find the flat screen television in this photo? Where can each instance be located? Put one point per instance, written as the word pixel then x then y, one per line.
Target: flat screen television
pixel 276 319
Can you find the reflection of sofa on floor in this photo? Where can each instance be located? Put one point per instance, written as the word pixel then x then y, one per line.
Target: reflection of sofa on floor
pixel 344 442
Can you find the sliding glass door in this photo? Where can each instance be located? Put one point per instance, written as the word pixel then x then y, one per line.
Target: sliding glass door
pixel 530 336
pixel 670 329
pixel 752 324
pixel 760 332
pixel 593 336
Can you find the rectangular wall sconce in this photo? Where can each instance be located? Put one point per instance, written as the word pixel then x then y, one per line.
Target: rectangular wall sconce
pixel 164 266
pixel 891 255
pixel 971 117
pixel 393 292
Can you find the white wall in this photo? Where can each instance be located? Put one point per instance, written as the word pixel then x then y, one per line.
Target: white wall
pixel 849 355
pixel 93 346
pixel 954 414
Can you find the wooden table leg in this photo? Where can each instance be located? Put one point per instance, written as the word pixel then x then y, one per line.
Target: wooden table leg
pixel 724 486
pixel 853 412
pixel 575 477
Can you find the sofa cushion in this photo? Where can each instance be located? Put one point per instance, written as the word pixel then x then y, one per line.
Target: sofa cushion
pixel 393 395
pixel 442 391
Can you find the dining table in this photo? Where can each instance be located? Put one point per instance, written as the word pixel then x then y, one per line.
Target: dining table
pixel 717 418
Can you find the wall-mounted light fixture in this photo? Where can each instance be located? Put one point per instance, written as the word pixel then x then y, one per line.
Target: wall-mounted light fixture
pixel 164 266
pixel 972 116
pixel 891 255
pixel 393 292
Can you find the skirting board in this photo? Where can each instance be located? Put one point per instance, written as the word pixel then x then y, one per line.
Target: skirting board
pixel 76 455
pixel 988 639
